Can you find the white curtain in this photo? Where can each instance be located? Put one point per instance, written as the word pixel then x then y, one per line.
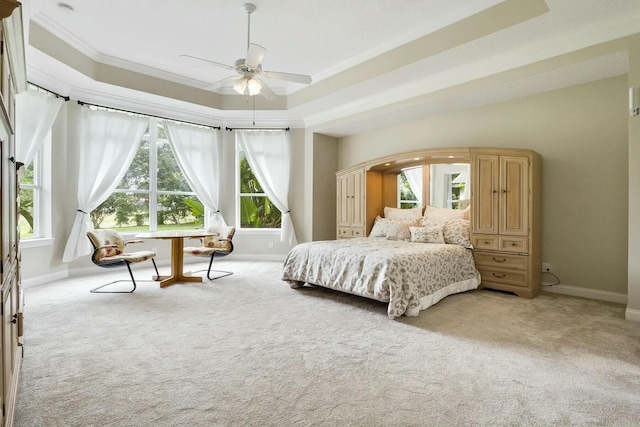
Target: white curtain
pixel 414 178
pixel 108 143
pixel 268 154
pixel 199 155
pixel 35 113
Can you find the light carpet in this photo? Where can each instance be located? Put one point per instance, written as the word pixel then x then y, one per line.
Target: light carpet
pixel 247 350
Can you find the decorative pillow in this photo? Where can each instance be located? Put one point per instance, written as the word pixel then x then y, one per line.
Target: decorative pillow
pixel 399 230
pixel 443 214
pixel 381 226
pixel 397 213
pixel 427 234
pixel 458 232
pixel 466 214
pixel 426 222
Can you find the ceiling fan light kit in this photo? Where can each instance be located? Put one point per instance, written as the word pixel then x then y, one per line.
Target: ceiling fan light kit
pixel 250 67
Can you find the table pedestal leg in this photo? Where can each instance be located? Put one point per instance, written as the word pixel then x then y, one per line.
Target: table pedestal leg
pixel 177 262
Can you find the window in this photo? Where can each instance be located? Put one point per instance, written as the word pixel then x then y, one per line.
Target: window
pixel 29 222
pixel 450 185
pixel 255 210
pixel 410 182
pixel 153 194
pixel 454 189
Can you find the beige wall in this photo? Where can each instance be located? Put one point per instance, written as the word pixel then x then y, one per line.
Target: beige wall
pixel 581 133
pixel 633 304
pixel 325 164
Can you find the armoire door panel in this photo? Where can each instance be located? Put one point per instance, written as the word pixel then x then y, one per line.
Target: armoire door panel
pixel 342 196
pixel 485 200
pixel 514 185
pixel 358 198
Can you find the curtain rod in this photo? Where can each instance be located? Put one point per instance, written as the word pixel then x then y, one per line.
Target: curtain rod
pixel 284 129
pixel 57 95
pixel 148 115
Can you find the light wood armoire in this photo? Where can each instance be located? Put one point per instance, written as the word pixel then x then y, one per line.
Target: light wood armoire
pixel 12 81
pixel 506 219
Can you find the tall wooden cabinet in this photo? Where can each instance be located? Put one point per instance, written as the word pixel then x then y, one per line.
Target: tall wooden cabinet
pixel 12 81
pixel 350 199
pixel 506 219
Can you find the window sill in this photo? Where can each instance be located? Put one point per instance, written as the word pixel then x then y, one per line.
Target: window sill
pixel 37 242
pixel 258 231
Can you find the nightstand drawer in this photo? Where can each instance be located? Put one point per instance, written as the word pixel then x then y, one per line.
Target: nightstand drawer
pixel 503 277
pixel 501 260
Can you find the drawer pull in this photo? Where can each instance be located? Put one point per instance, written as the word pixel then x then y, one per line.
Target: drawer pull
pixel 500 276
pixel 487 243
pixel 499 260
pixel 514 244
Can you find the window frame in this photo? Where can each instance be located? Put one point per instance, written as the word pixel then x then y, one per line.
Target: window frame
pixel 42 203
pixel 239 195
pixel 153 139
pixel 415 203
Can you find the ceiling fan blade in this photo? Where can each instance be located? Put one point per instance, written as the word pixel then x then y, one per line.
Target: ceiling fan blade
pixel 255 53
pixel 266 91
pixel 217 64
pixel 227 81
pixel 289 77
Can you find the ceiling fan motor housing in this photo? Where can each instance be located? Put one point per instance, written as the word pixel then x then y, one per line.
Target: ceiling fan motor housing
pixel 243 68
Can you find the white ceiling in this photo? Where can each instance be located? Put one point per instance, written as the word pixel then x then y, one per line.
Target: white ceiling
pixel 373 62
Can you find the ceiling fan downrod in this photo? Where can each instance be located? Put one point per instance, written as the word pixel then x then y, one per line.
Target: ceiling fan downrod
pixel 249 8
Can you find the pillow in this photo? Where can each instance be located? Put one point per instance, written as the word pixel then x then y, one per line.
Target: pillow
pixel 443 214
pixel 397 213
pixel 458 232
pixel 381 226
pixel 466 214
pixel 427 234
pixel 398 230
pixel 426 222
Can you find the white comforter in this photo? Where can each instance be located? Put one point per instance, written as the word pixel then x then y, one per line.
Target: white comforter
pixel 409 276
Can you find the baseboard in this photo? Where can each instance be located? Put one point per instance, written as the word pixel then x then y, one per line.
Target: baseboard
pixel 46 278
pixel 586 293
pixel 632 315
pixel 82 271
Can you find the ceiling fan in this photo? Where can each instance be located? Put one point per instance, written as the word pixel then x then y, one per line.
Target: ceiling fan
pixel 250 68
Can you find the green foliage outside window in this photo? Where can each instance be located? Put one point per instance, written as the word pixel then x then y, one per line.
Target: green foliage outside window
pixel 408 200
pixel 128 208
pixel 26 202
pixel 256 210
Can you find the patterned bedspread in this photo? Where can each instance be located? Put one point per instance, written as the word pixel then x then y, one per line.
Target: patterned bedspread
pixel 401 273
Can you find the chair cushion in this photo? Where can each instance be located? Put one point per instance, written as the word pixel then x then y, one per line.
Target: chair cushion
pixel 219 242
pixel 127 256
pixel 203 251
pixel 221 238
pixel 106 238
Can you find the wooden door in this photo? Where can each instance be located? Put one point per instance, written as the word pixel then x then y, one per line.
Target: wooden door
pixel 485 194
pixel 514 195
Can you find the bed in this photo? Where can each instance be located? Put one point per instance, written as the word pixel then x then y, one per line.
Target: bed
pixel 409 276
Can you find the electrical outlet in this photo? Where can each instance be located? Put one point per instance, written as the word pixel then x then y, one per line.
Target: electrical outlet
pixel 270 245
pixel 546 267
pixel 154 249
